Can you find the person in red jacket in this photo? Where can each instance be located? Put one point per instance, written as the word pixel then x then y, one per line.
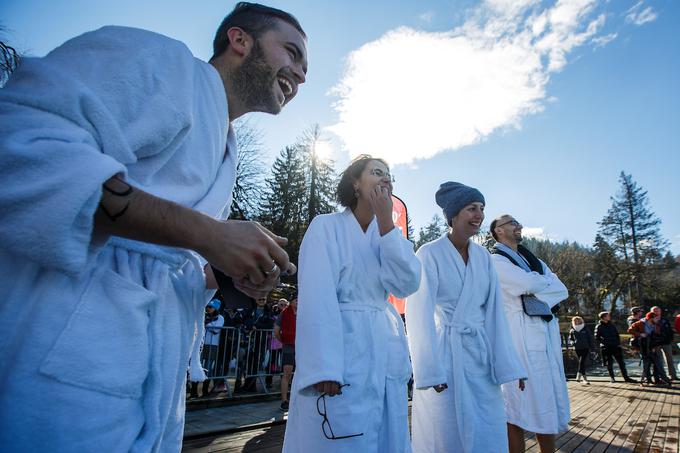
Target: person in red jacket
pixel 648 335
pixel 677 323
pixel 284 330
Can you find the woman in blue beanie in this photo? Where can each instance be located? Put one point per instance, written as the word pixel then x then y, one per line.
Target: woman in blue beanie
pixel 459 337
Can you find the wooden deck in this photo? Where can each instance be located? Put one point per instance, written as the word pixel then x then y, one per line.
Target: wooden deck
pixel 625 418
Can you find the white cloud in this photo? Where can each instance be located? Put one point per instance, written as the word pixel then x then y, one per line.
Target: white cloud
pixel 412 94
pixel 534 232
pixel 540 233
pixel 602 41
pixel 640 15
pixel 426 16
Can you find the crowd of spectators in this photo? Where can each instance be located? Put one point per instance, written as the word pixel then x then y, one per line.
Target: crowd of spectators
pixel 651 338
pixel 242 341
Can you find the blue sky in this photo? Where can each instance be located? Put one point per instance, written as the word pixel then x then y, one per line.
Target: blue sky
pixel 540 105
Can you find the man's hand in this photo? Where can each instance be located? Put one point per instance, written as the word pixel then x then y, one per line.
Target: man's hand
pixel 250 254
pixel 381 202
pixel 330 388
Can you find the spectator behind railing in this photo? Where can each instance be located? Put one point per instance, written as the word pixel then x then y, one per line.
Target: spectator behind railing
pixel 213 322
pixel 284 331
pixel 261 318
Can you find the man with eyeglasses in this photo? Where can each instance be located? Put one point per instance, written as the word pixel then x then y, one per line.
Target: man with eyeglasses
pixel 530 293
pixel 122 156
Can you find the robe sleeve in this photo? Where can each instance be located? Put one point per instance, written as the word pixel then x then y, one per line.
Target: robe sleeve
pixel 319 343
pixel 555 292
pixel 399 267
pixel 507 365
pixel 428 368
pixel 70 121
pixel 516 281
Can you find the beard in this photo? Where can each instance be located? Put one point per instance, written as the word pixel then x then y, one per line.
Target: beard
pixel 253 83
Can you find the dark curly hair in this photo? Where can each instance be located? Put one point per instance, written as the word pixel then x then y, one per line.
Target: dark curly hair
pixel 254 19
pixel 345 191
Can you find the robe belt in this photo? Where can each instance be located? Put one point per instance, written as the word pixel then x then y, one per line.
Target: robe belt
pixel 461 391
pixel 353 306
pixel 171 256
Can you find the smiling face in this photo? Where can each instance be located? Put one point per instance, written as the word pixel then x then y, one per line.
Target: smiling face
pixel 269 76
pixel 469 220
pixel 374 174
pixel 508 230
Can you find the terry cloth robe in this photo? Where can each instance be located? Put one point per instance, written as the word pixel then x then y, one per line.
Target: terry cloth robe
pixel 347 332
pixel 458 335
pixel 543 407
pixel 97 332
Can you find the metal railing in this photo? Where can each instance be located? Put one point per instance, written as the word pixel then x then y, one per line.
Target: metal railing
pixel 233 354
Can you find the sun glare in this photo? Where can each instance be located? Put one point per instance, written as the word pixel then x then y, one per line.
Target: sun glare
pixel 323 149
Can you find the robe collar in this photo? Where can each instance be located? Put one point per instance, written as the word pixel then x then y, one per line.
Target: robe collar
pixel 523 263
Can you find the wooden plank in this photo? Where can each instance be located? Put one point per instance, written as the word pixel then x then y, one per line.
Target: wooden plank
pixel 637 424
pixel 671 443
pixel 582 425
pixel 645 441
pixel 631 405
pixel 582 401
pixel 657 443
pixel 578 405
pixel 606 418
pixel 603 422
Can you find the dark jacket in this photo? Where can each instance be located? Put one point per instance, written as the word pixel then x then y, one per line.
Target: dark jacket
pixel 582 339
pixel 607 335
pixel 666 332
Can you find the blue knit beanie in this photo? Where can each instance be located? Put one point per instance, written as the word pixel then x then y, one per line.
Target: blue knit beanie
pixel 454 196
pixel 215 303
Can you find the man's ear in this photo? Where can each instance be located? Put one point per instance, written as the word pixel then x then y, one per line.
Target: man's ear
pixel 240 41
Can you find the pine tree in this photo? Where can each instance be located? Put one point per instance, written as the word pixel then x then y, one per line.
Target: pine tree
pixel 433 230
pixel 320 175
pixel 283 207
pixel 631 229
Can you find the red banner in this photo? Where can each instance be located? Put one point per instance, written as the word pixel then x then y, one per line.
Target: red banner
pixel 400 218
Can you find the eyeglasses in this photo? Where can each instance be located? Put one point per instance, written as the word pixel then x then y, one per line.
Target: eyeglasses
pixel 512 222
pixel 326 425
pixel 381 174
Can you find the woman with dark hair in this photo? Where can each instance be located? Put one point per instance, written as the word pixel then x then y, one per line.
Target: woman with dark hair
pixel 349 391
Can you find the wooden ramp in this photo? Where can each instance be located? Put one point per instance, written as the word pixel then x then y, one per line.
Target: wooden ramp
pixel 606 417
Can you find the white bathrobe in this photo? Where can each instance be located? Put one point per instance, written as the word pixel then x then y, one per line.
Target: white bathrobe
pixel 97 332
pixel 458 335
pixel 348 332
pixel 543 407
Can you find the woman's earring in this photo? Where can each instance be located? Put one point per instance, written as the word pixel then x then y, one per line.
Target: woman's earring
pixel 356 193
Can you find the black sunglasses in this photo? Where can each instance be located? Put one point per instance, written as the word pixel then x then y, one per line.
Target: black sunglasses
pixel 325 424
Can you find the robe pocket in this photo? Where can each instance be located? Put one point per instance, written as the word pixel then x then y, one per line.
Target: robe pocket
pixel 535 333
pixel 398 363
pixel 475 361
pixel 105 344
pixel 352 412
